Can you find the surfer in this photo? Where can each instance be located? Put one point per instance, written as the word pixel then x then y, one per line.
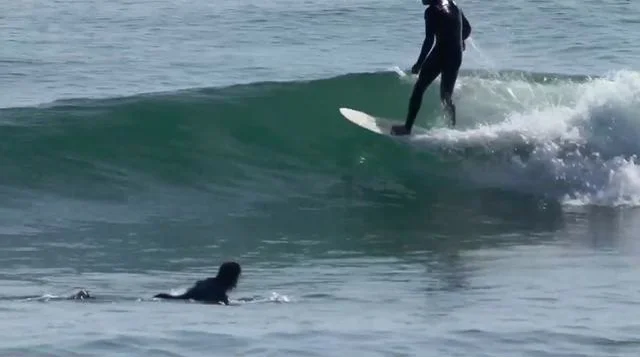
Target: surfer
pixel 212 290
pixel 445 23
pixel 82 294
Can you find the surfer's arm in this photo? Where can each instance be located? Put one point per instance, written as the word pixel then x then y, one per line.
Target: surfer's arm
pixel 427 43
pixel 466 27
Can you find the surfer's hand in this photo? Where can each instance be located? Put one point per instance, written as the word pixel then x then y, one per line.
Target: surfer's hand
pixel 464 46
pixel 416 68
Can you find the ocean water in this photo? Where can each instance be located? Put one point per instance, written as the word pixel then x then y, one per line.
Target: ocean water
pixel 143 142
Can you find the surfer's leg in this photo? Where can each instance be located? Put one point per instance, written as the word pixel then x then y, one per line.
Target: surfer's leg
pixel 448 82
pixel 428 73
pixel 430 70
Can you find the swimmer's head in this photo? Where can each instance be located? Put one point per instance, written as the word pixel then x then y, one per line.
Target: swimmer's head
pixel 228 274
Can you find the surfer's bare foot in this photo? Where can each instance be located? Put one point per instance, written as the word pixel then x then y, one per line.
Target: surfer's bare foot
pixel 400 130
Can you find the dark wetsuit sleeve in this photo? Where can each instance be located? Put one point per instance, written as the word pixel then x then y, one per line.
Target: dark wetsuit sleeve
pixel 428 36
pixel 466 27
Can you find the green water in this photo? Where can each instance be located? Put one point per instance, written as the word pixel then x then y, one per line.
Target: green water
pixel 144 142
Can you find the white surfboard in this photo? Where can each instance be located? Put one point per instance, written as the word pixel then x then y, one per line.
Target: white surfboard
pixel 377 125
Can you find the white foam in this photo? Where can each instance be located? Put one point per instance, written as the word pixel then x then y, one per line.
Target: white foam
pixel 577 140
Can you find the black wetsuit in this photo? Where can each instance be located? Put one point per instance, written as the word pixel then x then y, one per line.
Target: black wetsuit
pixel 212 290
pixel 209 290
pixel 447 25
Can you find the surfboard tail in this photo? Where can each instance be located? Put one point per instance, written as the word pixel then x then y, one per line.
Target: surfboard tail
pixel 167 296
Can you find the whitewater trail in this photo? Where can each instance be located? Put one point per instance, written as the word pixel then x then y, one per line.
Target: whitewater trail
pixel 580 137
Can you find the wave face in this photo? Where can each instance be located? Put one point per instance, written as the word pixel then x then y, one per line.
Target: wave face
pixel 568 138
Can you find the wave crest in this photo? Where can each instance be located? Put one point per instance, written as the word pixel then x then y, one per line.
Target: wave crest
pixel 574 139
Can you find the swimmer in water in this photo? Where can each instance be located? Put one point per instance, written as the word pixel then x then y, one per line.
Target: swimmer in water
pixel 212 290
pixel 445 23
